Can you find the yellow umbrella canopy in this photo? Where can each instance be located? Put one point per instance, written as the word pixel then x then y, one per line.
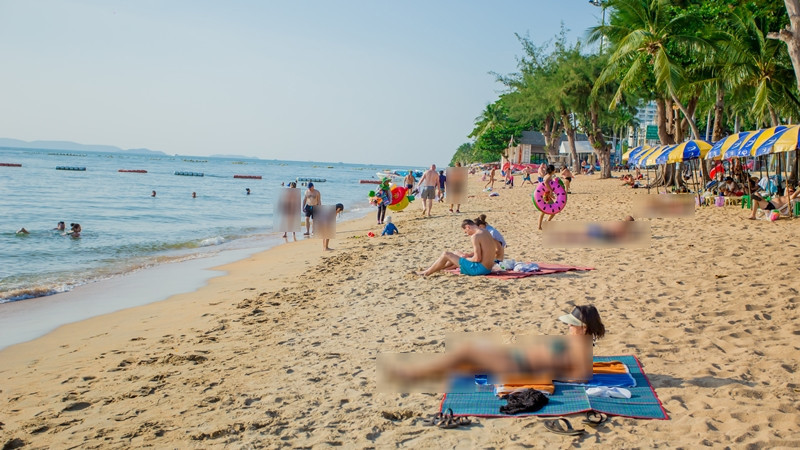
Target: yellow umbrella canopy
pixel 650 158
pixel 685 151
pixel 720 147
pixel 788 141
pixel 630 152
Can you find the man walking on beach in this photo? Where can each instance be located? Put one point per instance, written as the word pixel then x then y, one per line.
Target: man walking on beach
pixel 479 262
pixel 427 189
pixel 312 198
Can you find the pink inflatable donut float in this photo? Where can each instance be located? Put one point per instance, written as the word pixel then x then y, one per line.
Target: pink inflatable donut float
pixel 555 205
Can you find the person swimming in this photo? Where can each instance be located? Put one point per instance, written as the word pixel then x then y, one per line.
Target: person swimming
pixel 61 226
pixel 75 230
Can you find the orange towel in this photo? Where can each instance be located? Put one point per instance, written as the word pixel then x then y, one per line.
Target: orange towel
pixel 609 367
pixel 504 389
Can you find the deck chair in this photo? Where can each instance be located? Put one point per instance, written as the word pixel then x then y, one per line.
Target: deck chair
pixel 784 211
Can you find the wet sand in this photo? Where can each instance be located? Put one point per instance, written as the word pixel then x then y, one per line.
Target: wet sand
pixel 281 351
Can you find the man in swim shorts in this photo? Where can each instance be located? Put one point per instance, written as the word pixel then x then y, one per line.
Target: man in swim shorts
pixel 479 262
pixel 312 198
pixel 427 189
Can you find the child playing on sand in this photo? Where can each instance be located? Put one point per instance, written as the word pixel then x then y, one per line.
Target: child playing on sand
pixel 390 228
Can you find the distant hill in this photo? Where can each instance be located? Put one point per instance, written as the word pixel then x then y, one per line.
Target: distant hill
pixel 73 146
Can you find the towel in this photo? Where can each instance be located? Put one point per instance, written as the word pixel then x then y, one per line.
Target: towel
pixel 612 392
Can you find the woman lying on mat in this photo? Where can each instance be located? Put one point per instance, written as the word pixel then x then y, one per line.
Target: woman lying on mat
pixel 537 359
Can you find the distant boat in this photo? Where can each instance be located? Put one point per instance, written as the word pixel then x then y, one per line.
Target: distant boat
pixel 313 180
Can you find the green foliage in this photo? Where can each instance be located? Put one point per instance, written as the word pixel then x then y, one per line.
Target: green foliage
pixel 682 50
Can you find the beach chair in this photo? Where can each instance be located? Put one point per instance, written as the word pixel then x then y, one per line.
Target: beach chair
pixel 784 211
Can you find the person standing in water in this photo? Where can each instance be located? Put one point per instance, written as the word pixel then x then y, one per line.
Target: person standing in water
pixel 312 198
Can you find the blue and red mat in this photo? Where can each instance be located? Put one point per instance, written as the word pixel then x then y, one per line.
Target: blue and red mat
pixel 570 399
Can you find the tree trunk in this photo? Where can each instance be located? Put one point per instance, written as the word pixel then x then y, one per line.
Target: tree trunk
pixel 790 35
pixel 689 116
pixel 664 125
pixel 773 116
pixel 599 145
pixel 552 137
pixel 719 110
pixel 570 132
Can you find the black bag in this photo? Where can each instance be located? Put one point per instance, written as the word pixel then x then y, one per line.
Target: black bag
pixel 525 400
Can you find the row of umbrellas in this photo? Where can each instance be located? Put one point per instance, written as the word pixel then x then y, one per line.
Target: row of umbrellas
pixel 783 138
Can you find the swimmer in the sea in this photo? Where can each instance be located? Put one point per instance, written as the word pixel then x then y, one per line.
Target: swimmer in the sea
pixel 22 231
pixel 61 226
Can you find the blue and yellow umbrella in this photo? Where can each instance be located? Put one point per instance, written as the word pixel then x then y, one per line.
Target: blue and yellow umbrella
pixel 788 140
pixel 648 158
pixel 720 147
pixel 754 142
pixel 684 151
pixel 633 151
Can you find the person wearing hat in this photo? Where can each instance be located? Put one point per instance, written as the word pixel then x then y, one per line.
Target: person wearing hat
pixel 310 200
pixel 544 360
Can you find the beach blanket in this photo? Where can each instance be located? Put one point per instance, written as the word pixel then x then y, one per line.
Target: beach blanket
pixel 544 269
pixel 571 399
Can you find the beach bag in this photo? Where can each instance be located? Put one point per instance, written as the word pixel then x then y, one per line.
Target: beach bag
pixel 524 400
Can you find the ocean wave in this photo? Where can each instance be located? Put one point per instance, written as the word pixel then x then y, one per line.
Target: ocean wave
pixel 217 240
pixel 33 292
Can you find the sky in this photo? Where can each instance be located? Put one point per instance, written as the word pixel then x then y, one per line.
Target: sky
pixel 357 81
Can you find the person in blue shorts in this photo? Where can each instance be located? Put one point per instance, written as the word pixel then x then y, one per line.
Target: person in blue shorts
pixel 478 262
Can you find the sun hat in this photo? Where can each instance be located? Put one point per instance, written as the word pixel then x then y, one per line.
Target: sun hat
pixel 574 318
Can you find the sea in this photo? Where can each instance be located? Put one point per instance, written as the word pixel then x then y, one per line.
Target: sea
pixel 125 229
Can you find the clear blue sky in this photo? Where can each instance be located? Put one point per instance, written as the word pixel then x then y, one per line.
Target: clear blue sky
pixel 368 81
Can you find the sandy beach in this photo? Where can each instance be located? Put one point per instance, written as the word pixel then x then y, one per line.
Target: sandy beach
pixel 280 352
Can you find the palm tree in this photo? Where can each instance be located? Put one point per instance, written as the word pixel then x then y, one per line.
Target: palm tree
pixel 647 36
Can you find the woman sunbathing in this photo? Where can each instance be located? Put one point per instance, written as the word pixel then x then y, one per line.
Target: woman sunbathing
pixel 777 201
pixel 542 360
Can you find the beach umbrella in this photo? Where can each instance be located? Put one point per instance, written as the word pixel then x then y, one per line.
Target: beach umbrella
pixel 684 151
pixel 635 153
pixel 754 141
pixel 721 146
pixel 788 140
pixel 639 160
pixel 628 154
pixel 650 159
pixel 765 146
pixel 734 149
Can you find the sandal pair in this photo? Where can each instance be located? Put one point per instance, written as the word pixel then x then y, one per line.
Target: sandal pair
pixel 447 420
pixel 564 427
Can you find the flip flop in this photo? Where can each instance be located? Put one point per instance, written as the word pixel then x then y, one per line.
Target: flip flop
pixel 433 420
pixel 595 419
pixel 562 426
pixel 439 418
pixel 463 421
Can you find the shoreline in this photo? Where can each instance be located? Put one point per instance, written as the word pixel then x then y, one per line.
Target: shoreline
pixel 281 350
pixel 28 319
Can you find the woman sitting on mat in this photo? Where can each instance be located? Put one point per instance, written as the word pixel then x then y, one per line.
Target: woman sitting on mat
pixel 498 238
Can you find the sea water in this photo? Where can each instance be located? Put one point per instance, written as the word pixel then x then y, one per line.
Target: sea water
pixel 125 229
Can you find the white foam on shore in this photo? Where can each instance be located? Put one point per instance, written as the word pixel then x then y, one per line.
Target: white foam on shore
pixel 23 321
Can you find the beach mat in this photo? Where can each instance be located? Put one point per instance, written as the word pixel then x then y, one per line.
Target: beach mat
pixel 544 269
pixel 570 399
